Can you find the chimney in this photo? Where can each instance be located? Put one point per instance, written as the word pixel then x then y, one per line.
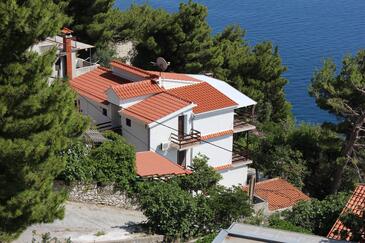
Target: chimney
pixel 251 187
pixel 67 47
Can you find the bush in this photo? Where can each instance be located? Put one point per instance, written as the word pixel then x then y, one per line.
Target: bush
pixel 79 167
pixel 111 162
pixel 277 223
pixel 315 215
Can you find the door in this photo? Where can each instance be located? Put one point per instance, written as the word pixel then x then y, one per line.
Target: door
pixel 181 157
pixel 181 127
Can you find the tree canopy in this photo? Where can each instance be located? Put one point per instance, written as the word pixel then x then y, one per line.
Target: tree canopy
pixel 343 94
pixel 37 120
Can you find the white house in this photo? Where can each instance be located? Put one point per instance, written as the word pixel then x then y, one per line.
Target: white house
pixel 67 63
pixel 175 115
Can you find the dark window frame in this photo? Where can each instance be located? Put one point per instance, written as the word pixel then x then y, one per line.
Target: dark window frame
pixel 128 122
pixel 105 112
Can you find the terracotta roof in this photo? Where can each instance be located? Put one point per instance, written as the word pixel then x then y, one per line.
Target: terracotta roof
pixel 278 193
pixel 175 76
pixel 205 96
pixel 356 205
pixel 131 69
pixel 149 163
pixel 94 84
pixel 136 89
pixel 222 167
pixel 66 31
pixel 217 134
pixel 155 107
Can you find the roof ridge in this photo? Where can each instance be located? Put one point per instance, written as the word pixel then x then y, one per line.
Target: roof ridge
pixel 104 68
pixel 178 97
pixel 133 67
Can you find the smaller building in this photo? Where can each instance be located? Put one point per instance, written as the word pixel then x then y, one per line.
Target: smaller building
pixel 275 195
pixel 252 233
pixel 355 205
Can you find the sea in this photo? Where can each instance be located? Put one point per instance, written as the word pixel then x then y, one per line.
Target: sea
pixel 306 32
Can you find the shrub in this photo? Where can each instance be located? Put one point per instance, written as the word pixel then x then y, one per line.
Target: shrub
pixel 277 223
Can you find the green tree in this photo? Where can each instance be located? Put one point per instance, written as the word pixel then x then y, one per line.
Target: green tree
pixel 355 227
pixel 114 161
pixel 203 178
pixel 255 71
pixel 278 223
pixel 183 38
pixel 343 94
pixel 37 120
pixel 317 216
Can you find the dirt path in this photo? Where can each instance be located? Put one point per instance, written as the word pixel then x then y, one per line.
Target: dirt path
pixel 90 223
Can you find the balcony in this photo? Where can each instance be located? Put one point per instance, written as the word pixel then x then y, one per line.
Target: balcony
pixel 244 120
pixel 240 156
pixel 185 141
pixel 84 66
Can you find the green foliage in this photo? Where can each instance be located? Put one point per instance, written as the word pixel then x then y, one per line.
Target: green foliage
pixel 207 239
pixel 37 120
pixel 79 166
pixel 111 162
pixel 114 161
pixel 177 211
pixel 343 94
pixel 315 215
pixel 277 223
pixel 203 178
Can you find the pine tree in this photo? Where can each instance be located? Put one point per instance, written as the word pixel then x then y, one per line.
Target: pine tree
pixel 37 120
pixel 343 94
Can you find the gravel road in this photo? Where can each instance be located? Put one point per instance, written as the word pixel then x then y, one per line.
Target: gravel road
pixel 89 223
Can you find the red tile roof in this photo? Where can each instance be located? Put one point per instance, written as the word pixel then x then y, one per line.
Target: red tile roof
pixel 66 30
pixel 136 89
pixel 222 167
pixel 149 163
pixel 356 205
pixel 217 134
pixel 94 84
pixel 205 96
pixel 175 76
pixel 133 70
pixel 155 107
pixel 278 193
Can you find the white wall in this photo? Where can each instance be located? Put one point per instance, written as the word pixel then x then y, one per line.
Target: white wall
pixel 126 75
pixel 170 84
pixel 113 98
pixel 234 176
pixel 136 134
pixel 217 156
pixel 213 122
pixel 162 133
pixel 94 110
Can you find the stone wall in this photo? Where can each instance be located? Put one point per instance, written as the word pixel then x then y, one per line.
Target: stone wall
pixel 92 193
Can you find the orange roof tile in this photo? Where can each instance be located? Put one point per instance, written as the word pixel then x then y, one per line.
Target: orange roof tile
pixel 205 96
pixel 149 163
pixel 94 84
pixel 222 167
pixel 217 134
pixel 155 107
pixel 356 205
pixel 131 69
pixel 136 89
pixel 66 30
pixel 175 76
pixel 278 193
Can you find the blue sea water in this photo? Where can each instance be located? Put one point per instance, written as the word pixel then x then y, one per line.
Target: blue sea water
pixel 306 32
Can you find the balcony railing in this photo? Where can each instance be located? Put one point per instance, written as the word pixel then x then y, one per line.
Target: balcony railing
pixel 84 66
pixel 244 121
pixel 186 140
pixel 240 155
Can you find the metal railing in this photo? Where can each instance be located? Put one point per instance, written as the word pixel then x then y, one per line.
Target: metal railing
pixel 185 140
pixel 240 153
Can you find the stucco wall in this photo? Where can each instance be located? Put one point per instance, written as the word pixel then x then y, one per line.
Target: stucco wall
pixel 217 156
pixel 136 134
pixel 234 176
pixel 170 84
pixel 214 122
pixel 94 110
pixel 161 133
pixel 125 74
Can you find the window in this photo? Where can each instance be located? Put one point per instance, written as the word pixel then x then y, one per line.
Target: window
pixel 181 157
pixel 105 112
pixel 128 122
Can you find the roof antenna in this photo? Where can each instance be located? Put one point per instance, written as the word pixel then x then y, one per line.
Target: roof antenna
pixel 162 65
